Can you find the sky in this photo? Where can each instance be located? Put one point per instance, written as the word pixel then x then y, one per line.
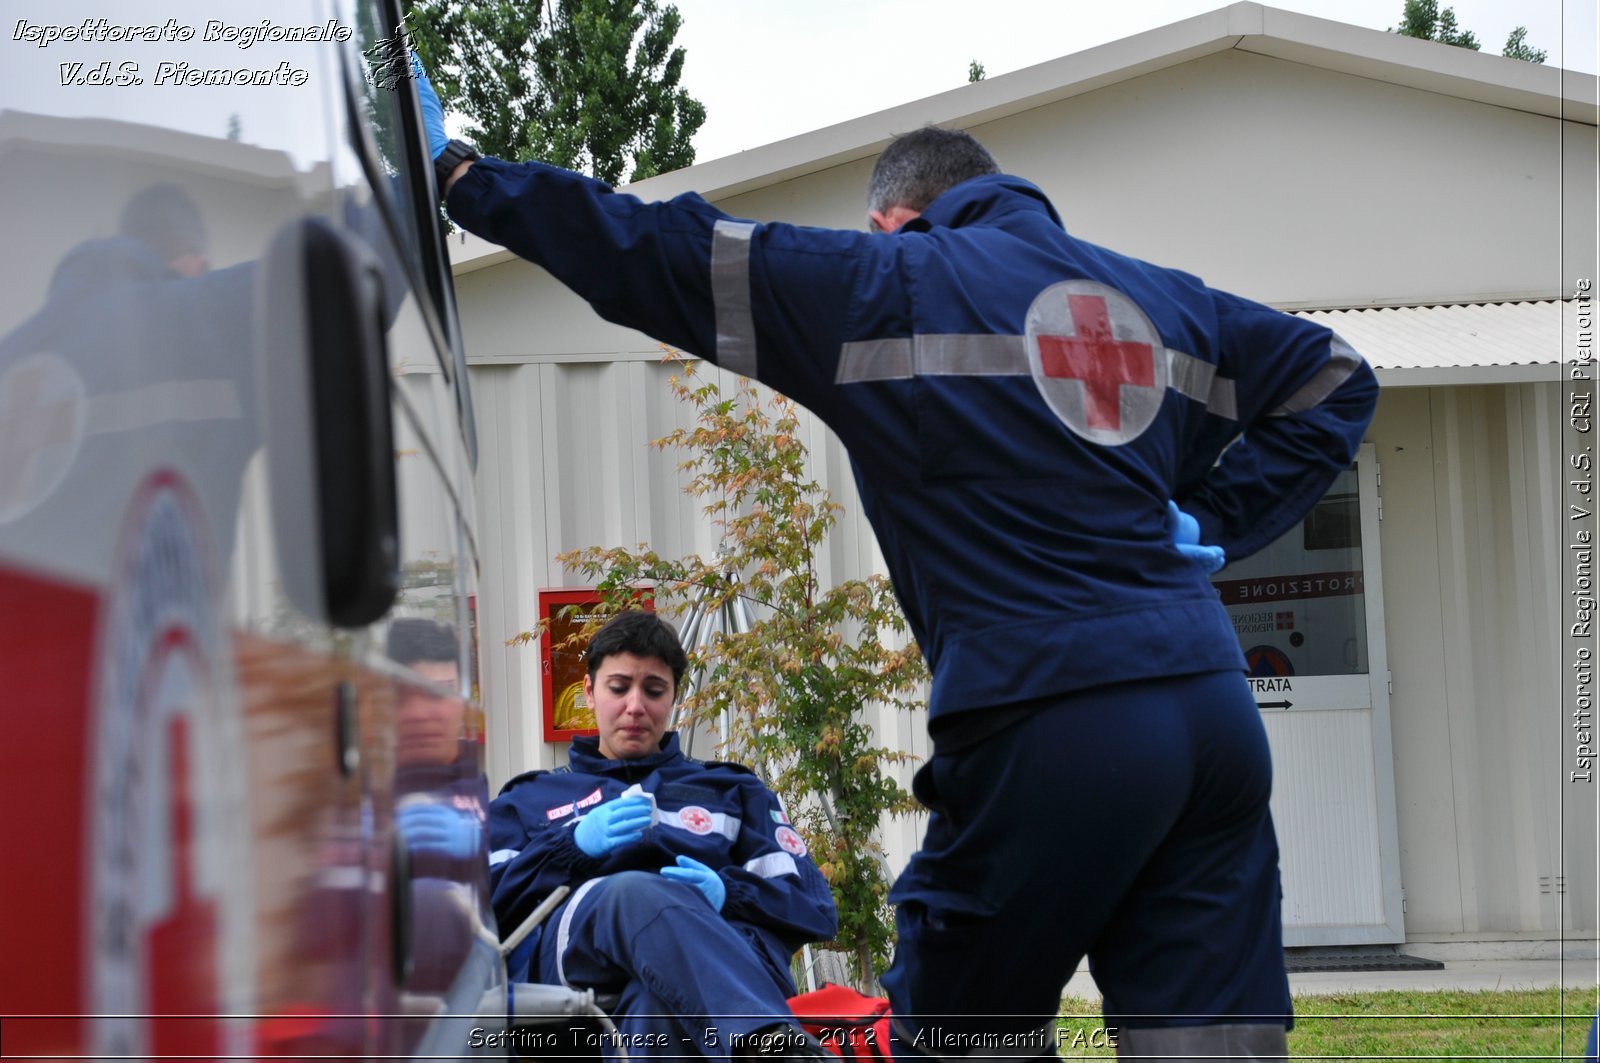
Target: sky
pixel 770 69
pixel 765 69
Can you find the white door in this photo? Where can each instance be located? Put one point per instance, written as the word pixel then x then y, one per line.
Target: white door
pixel 1309 613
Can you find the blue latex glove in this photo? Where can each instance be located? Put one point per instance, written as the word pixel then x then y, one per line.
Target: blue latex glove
pixel 1185 532
pixel 613 825
pixel 701 877
pixel 439 830
pixel 432 110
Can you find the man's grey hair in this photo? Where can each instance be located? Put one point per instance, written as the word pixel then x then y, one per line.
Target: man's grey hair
pixel 165 217
pixel 918 167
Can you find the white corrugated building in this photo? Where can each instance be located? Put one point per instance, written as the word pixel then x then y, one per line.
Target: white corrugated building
pixel 1438 208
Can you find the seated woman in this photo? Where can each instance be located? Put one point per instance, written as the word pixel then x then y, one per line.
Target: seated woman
pixel 690 890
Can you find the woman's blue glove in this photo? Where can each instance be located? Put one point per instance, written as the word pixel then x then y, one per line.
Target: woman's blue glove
pixel 432 110
pixel 613 825
pixel 1185 533
pixel 440 830
pixel 701 877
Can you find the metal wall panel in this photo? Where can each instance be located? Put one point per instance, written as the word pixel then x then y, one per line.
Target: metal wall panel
pixel 1473 543
pixel 1434 339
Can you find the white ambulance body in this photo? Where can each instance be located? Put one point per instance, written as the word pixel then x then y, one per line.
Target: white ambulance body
pixel 235 450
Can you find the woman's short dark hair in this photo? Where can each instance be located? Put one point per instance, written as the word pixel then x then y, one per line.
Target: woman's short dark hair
pixel 918 167
pixel 642 634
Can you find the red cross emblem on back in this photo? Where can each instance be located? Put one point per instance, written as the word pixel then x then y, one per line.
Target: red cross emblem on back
pixel 1096 357
pixel 1097 360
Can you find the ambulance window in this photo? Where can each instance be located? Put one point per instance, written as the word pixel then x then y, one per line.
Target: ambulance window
pixel 381 59
pixel 388 139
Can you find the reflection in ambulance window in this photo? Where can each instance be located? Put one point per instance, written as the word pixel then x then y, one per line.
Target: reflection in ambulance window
pixel 387 142
pixel 378 53
pixel 430 714
pixel 1333 524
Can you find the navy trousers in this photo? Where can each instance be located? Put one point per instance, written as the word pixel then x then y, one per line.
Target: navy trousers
pixel 1128 823
pixel 691 983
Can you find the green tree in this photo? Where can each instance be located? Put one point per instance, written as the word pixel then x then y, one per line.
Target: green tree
pixel 591 85
pixel 1424 20
pixel 975 72
pixel 1517 47
pixel 794 690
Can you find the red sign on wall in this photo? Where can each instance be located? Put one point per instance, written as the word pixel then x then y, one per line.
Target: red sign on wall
pixel 563 662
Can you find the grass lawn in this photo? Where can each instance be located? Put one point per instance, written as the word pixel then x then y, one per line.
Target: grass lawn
pixel 1452 1024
